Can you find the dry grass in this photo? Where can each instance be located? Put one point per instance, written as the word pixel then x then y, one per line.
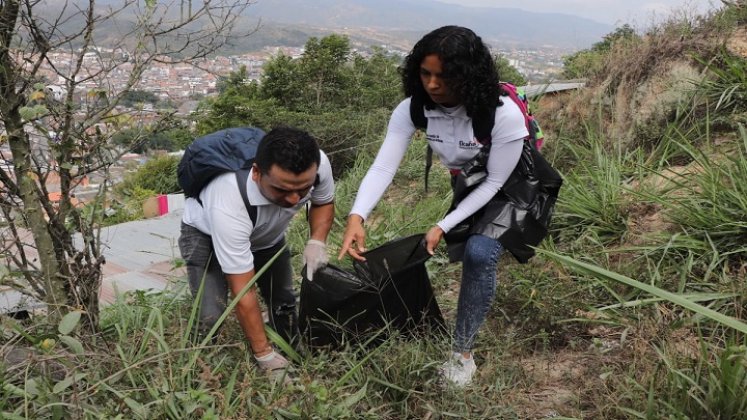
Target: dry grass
pixel 637 92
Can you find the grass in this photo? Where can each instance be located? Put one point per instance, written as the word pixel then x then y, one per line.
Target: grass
pixel 711 386
pixel 592 205
pixel 713 207
pixel 140 370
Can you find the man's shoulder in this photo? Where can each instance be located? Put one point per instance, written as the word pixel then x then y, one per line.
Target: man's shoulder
pixel 325 166
pixel 325 186
pixel 323 159
pixel 223 181
pixel 222 189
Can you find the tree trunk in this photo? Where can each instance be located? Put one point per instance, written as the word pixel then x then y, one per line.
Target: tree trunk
pixel 10 103
pixel 33 214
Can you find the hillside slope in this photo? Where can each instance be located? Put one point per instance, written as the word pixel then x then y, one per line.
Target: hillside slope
pixel 643 86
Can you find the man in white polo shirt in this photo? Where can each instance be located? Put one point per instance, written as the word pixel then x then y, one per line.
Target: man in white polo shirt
pixel 289 171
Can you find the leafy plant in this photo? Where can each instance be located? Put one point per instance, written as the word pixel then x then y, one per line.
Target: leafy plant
pixel 711 204
pixel 46 386
pixel 727 87
pixel 592 202
pixel 158 174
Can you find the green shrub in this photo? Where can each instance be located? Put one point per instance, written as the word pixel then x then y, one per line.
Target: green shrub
pixel 591 204
pixel 131 206
pixel 157 174
pixel 341 133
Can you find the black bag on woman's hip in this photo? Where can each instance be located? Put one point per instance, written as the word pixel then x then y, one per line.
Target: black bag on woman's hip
pixel 518 216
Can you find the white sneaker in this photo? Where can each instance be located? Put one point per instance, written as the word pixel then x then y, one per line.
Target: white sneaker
pixel 458 370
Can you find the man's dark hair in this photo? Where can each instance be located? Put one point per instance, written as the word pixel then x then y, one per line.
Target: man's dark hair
pixel 467 65
pixel 291 149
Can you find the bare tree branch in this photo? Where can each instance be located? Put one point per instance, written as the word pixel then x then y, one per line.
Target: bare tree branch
pixel 57 142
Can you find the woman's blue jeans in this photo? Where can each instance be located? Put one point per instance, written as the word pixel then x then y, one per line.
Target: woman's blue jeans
pixel 476 293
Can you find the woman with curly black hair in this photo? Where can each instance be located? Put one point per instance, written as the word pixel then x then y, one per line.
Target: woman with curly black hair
pixel 467 65
pixel 450 78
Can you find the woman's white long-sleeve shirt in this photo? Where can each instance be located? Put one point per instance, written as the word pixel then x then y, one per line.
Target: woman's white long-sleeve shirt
pixel 451 137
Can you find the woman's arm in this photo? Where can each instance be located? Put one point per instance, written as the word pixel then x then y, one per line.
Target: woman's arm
pixel 377 179
pixel 381 173
pixel 507 142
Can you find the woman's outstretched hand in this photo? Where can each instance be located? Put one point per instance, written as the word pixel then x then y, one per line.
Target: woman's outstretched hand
pixel 354 238
pixel 432 238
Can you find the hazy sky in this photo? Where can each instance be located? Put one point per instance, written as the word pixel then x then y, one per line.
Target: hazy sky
pixel 640 13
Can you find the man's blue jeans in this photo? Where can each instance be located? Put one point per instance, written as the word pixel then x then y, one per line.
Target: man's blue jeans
pixel 275 284
pixel 477 290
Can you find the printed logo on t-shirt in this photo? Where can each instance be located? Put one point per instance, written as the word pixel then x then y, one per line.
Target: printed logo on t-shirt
pixel 469 144
pixel 434 138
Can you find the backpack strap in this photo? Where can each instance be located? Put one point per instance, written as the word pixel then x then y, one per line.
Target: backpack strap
pixel 536 137
pixel 242 177
pixel 428 164
pixel 417 115
pixel 510 90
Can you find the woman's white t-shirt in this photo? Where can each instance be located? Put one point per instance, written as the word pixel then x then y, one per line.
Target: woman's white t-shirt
pixel 452 139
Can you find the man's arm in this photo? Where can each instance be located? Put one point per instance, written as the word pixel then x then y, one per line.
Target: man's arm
pixel 321 217
pixel 249 313
pixel 315 256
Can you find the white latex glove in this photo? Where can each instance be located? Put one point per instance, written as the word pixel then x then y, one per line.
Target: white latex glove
pixel 276 367
pixel 314 256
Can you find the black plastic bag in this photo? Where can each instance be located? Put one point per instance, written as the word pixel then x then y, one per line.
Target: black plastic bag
pixel 390 288
pixel 518 216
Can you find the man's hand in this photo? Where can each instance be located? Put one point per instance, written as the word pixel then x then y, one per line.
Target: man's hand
pixel 314 256
pixel 354 234
pixel 432 238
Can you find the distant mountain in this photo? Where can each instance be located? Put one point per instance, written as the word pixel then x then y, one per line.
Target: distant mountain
pixel 397 23
pixel 500 26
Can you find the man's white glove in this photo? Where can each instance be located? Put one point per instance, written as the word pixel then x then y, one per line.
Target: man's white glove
pixel 315 257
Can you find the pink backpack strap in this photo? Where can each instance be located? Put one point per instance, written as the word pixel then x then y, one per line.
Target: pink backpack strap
pixel 511 91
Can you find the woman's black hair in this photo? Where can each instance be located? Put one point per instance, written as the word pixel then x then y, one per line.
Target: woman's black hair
pixel 467 65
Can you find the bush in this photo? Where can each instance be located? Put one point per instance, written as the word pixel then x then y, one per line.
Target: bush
pixel 341 133
pixel 130 208
pixel 589 62
pixel 157 175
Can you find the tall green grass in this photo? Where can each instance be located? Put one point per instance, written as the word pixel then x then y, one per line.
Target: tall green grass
pixel 591 205
pixel 144 369
pixel 712 204
pixel 713 386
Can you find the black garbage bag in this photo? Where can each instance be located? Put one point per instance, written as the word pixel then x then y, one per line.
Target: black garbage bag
pixel 518 216
pixel 390 288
